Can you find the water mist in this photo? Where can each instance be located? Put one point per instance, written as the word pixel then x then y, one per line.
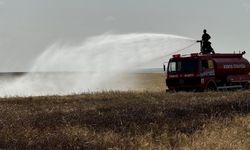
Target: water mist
pixel 95 65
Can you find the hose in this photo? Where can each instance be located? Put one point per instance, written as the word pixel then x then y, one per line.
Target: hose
pixel 182 49
pixel 170 54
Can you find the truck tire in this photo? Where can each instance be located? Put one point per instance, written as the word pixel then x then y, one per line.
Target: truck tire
pixel 246 85
pixel 211 86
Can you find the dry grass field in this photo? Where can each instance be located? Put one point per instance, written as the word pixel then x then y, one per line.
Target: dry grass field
pixel 127 120
pixel 153 82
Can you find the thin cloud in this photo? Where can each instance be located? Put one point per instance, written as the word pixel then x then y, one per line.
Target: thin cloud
pixel 246 5
pixel 2 2
pixel 110 18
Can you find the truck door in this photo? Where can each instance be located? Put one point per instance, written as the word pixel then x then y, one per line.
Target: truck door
pixel 207 68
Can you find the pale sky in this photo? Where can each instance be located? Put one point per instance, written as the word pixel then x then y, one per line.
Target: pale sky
pixel 28 27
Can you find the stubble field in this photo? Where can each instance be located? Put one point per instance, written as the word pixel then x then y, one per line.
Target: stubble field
pixel 138 119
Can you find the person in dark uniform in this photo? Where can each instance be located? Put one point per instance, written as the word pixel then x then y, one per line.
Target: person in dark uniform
pixel 206 47
pixel 205 37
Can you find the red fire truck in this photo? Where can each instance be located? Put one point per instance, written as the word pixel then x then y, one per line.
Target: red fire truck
pixel 199 72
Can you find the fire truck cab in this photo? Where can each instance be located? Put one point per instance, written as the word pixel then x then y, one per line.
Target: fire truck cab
pixel 199 72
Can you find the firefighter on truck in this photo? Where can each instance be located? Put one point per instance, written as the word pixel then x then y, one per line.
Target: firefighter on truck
pixel 206 47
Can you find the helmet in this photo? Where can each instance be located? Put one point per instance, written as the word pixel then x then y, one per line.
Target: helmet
pixel 204 31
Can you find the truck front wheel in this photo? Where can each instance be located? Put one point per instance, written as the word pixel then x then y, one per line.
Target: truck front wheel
pixel 211 87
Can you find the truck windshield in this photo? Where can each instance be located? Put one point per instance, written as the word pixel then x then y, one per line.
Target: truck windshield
pixel 183 66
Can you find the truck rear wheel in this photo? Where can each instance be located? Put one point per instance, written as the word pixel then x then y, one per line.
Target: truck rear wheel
pixel 246 85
